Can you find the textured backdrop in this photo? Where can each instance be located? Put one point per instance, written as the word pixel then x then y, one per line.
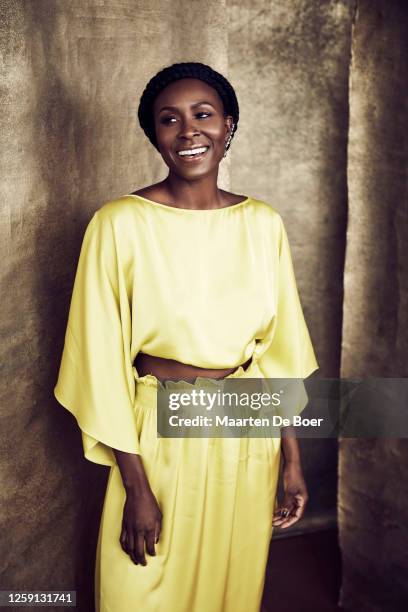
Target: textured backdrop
pixel 71 79
pixel 290 64
pixel 72 74
pixel 373 507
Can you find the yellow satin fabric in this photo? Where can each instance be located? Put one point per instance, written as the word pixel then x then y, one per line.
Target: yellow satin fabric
pixel 205 287
pixel 217 497
pixel 210 288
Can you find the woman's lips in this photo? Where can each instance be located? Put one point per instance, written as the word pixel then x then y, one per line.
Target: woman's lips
pixel 193 154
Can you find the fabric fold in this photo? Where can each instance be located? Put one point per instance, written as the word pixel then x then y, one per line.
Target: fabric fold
pixel 290 353
pixel 96 381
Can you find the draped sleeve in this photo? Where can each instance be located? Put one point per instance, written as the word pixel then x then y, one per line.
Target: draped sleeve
pixel 95 381
pixel 289 353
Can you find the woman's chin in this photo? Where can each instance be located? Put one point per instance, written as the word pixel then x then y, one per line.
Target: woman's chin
pixel 192 172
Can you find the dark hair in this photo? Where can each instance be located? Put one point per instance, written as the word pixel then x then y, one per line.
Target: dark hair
pixel 175 72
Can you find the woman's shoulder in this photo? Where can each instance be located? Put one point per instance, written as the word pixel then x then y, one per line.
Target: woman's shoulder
pixel 266 212
pixel 127 206
pixel 117 210
pixel 264 206
pixel 261 206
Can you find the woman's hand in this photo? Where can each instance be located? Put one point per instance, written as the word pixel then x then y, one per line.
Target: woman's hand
pixel 142 517
pixel 295 496
pixel 142 520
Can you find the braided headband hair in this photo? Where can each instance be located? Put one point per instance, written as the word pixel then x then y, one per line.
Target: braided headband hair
pixel 175 72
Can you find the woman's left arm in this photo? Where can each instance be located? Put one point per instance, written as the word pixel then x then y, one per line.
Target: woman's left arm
pixel 295 492
pixel 290 355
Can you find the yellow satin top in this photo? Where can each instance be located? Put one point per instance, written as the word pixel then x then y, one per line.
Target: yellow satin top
pixel 209 288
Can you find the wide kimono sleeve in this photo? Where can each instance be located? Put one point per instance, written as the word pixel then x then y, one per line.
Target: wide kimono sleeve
pixel 95 381
pixel 290 353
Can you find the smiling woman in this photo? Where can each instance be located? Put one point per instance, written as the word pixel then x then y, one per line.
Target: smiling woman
pixel 191 135
pixel 190 115
pixel 159 300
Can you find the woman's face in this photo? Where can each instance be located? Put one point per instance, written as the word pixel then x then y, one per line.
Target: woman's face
pixel 191 129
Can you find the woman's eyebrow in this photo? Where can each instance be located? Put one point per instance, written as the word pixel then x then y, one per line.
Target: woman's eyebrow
pixel 174 108
pixel 200 103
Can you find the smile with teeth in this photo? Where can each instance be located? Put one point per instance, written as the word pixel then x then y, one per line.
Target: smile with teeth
pixel 192 152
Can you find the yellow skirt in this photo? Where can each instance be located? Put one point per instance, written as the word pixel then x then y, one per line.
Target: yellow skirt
pixel 217 497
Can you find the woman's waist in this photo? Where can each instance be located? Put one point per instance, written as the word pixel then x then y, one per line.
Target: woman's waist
pixel 148 384
pixel 170 369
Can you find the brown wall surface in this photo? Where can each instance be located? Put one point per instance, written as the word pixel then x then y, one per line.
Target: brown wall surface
pixel 72 76
pixel 373 506
pixel 290 65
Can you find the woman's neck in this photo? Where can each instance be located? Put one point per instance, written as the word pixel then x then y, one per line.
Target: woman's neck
pixel 199 194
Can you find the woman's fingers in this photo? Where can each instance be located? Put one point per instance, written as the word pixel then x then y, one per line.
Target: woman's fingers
pixel 282 513
pixel 150 539
pixel 284 510
pixel 131 546
pixel 139 545
pixel 294 515
pixel 292 518
pixel 141 528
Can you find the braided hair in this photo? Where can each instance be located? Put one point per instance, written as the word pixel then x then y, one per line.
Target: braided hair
pixel 184 70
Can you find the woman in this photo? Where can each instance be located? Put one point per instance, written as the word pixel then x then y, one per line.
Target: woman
pixel 181 281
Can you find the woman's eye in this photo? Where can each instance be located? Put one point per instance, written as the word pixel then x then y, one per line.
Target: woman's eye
pixel 167 120
pixel 170 120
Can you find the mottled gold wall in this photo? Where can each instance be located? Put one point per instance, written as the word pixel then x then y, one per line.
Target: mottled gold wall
pixel 71 79
pixel 373 508
pixel 73 73
pixel 290 61
pixel 290 64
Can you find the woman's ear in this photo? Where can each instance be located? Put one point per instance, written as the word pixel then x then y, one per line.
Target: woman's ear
pixel 228 124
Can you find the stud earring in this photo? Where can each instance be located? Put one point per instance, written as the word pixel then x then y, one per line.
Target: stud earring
pixel 228 141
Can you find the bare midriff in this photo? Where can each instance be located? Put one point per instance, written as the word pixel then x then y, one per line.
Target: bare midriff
pixel 169 369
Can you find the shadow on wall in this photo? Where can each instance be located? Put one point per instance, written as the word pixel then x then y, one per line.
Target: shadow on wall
pixel 67 142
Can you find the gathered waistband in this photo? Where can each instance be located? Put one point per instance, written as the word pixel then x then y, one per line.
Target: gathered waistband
pixel 147 385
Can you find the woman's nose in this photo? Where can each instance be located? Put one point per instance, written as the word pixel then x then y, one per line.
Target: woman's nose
pixel 188 128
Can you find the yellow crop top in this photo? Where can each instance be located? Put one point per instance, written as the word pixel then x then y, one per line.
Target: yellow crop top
pixel 209 288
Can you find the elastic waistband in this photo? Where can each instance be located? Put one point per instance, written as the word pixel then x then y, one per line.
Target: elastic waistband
pixel 147 385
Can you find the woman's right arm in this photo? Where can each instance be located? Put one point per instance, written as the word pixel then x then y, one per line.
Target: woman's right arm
pixel 96 381
pixel 142 517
